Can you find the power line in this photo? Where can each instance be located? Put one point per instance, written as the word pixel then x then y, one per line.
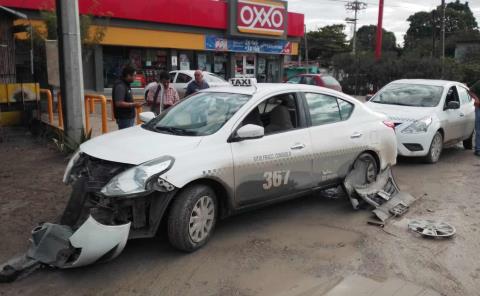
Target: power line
pixel 355 6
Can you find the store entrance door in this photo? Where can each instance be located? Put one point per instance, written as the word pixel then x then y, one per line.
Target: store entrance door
pixel 273 70
pixel 245 65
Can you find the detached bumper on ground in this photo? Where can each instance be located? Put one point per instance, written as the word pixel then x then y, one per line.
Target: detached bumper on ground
pixel 60 246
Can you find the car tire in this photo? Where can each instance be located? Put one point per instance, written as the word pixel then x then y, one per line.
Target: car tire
pixel 371 167
pixel 468 143
pixel 436 148
pixel 192 218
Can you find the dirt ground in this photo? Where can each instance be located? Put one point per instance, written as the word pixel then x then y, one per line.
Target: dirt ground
pixel 308 244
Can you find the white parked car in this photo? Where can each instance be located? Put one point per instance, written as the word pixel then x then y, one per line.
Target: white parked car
pixel 220 151
pixel 181 78
pixel 428 115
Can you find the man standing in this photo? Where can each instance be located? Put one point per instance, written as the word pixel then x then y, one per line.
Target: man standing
pixel 124 106
pixel 164 95
pixel 197 84
pixel 475 92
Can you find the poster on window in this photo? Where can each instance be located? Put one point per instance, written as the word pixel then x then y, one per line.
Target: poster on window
pixel 184 66
pixel 202 62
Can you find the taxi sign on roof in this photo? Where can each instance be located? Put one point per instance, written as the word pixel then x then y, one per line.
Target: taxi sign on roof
pixel 243 81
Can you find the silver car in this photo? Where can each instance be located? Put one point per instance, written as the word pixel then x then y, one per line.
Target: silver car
pixel 181 78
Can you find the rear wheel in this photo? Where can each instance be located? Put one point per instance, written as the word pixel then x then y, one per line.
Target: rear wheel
pixel 468 143
pixel 192 218
pixel 435 148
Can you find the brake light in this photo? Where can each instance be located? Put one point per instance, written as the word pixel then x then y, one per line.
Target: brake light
pixel 389 124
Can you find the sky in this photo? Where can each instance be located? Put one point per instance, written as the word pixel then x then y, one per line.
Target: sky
pixel 319 13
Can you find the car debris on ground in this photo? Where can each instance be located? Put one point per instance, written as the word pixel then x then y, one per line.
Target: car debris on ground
pixel 432 229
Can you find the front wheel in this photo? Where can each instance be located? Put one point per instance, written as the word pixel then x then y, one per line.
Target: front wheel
pixel 435 148
pixel 468 143
pixel 192 218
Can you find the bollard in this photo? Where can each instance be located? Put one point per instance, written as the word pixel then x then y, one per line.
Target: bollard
pixel 60 110
pixel 87 114
pixel 90 100
pixel 48 93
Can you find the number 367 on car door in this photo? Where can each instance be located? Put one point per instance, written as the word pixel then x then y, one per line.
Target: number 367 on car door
pixel 275 178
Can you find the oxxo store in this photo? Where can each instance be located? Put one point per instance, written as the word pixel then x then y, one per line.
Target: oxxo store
pixel 233 38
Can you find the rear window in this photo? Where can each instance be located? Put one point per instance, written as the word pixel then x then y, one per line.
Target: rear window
pixel 329 80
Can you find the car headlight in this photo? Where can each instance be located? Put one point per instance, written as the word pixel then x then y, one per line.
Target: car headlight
pixel 71 162
pixel 418 126
pixel 135 180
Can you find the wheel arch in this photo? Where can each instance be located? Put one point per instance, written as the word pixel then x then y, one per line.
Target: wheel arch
pixel 224 197
pixel 375 155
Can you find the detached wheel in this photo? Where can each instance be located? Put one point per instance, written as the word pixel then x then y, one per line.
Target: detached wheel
pixel 435 148
pixel 192 218
pixel 468 143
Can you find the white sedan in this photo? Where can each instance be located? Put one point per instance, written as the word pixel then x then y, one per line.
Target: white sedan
pixel 181 78
pixel 428 115
pixel 220 151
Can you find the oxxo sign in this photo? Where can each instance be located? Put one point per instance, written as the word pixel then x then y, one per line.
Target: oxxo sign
pixel 261 17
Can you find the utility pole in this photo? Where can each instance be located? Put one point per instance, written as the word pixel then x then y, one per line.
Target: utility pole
pixel 434 29
pixel 355 6
pixel 443 37
pixel 306 47
pixel 70 64
pixel 378 41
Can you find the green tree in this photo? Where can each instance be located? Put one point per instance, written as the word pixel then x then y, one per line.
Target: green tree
pixel 423 34
pixel 367 36
pixel 325 42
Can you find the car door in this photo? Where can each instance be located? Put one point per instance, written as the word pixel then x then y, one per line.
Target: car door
pixel 335 142
pixel 278 164
pixel 467 111
pixel 454 119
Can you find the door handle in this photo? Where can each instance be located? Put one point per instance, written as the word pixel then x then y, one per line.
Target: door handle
pixel 297 146
pixel 462 115
pixel 356 135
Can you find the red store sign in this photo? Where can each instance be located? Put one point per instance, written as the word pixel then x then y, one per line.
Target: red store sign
pixel 261 17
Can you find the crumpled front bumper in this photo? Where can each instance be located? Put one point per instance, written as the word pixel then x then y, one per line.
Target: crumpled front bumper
pixel 60 246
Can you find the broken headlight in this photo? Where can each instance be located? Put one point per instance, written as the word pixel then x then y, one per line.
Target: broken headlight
pixel 135 180
pixel 71 162
pixel 418 126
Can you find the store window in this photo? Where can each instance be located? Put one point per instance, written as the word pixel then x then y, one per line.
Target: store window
pixel 245 66
pixel 147 62
pixel 185 60
pixel 220 64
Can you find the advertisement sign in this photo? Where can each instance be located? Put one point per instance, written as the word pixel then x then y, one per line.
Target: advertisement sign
pixel 261 17
pixel 19 92
pixel 249 45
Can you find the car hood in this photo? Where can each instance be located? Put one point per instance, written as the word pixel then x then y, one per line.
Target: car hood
pixel 398 113
pixel 137 145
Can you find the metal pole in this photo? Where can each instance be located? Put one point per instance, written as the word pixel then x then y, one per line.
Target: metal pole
pixel 378 45
pixel 306 46
pixel 71 72
pixel 355 31
pixel 443 37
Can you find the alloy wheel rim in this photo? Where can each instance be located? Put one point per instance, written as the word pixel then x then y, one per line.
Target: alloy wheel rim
pixel 436 147
pixel 201 219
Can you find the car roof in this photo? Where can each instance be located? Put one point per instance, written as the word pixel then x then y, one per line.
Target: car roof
pixel 435 82
pixel 189 72
pixel 262 89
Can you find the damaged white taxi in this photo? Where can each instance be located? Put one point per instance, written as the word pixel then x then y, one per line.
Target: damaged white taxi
pixel 218 152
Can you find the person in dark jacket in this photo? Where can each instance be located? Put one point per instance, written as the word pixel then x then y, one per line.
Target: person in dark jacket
pixel 197 84
pixel 124 106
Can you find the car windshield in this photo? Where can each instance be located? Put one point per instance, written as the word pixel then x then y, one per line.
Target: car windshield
pixel 201 114
pixel 415 95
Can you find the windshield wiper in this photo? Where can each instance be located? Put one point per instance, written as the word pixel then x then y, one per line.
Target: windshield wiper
pixel 175 130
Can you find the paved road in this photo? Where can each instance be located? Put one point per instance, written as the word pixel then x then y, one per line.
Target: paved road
pixel 301 247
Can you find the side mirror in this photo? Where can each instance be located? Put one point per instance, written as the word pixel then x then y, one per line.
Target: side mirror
pixel 453 105
pixel 146 116
pixel 250 131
